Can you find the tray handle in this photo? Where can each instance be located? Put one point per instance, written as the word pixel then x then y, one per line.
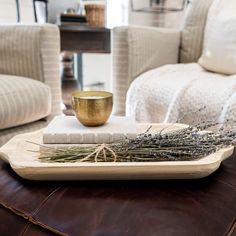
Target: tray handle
pixel 4 156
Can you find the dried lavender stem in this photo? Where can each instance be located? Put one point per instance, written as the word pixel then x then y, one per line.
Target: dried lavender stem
pixel 185 144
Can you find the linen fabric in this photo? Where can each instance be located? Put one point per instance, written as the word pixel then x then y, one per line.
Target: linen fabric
pixel 193 30
pixel 136 50
pixel 219 54
pixel 7 134
pixel 32 51
pixel 22 101
pixel 176 93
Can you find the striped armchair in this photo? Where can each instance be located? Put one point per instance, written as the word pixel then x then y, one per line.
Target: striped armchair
pixel 141 52
pixel 158 76
pixel 30 88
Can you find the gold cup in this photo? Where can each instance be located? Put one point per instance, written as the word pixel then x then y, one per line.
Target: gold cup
pixel 92 108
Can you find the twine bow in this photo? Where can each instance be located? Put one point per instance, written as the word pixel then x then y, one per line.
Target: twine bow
pixel 102 148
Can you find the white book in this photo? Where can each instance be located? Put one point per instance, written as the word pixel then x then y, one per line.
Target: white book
pixel 68 130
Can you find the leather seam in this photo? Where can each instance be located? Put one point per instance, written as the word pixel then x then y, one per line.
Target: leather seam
pixel 35 221
pixel 31 218
pixel 15 211
pixel 44 201
pixel 227 184
pixel 25 229
pixel 231 228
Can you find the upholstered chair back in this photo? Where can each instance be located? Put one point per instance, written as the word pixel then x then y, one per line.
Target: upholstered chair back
pixel 32 51
pixel 193 30
pixel 136 50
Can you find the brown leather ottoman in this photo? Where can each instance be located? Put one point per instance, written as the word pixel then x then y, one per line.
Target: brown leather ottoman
pixel 174 207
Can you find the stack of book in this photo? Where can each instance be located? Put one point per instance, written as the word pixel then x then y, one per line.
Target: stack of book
pixel 71 19
pixel 68 130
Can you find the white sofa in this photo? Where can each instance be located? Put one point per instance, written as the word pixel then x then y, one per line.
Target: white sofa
pixel 157 77
pixel 30 88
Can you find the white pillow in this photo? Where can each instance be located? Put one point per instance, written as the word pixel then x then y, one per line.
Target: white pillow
pixel 219 51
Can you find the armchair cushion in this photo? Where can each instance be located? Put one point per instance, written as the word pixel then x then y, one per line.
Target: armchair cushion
pixel 219 54
pixel 176 92
pixel 22 100
pixel 32 51
pixel 136 50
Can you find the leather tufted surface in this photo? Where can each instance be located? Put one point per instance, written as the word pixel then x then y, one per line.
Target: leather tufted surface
pixel 174 207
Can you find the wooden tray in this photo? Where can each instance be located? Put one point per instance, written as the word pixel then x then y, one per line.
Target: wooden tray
pixel 26 165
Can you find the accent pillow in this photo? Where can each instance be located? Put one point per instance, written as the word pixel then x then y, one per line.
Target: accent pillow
pixel 193 30
pixel 219 51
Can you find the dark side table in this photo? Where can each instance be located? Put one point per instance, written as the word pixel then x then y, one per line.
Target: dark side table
pixel 84 38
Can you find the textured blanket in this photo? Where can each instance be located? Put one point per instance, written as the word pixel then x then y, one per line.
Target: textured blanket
pixel 184 93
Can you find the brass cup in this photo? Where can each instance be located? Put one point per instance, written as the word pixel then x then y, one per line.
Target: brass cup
pixel 92 108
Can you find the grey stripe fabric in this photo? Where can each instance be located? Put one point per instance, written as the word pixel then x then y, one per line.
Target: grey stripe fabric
pixel 50 56
pixel 32 51
pixel 22 101
pixel 120 68
pixel 20 51
pixel 193 30
pixel 7 134
pixel 136 50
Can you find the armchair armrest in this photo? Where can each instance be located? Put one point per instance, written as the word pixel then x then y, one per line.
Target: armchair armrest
pixel 136 50
pixel 32 51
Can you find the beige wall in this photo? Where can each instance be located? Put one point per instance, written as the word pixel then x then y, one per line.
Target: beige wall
pixel 97 68
pixel 8 11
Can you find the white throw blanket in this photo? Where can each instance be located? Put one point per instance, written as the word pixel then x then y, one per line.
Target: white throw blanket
pixel 175 93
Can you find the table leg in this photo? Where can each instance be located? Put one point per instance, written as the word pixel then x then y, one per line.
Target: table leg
pixel 67 72
pixel 18 10
pixel 69 82
pixel 79 64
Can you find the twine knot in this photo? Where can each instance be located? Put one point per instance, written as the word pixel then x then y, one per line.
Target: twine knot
pixel 101 149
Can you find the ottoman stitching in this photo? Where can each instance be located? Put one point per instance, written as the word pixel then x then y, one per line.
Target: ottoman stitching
pixel 22 233
pixel 227 184
pixel 45 200
pixel 30 217
pixel 231 228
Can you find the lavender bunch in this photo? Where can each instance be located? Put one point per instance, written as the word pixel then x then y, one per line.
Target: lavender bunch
pixel 190 143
